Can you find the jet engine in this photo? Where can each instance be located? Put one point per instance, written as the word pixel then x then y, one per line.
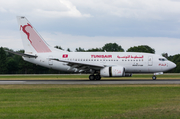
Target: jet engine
pixel 114 71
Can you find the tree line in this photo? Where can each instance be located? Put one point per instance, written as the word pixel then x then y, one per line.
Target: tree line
pixel 14 64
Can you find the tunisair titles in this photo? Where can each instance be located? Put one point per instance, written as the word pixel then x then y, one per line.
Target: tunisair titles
pixel 110 56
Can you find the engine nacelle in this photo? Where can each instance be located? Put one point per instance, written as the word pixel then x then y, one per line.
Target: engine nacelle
pixel 114 71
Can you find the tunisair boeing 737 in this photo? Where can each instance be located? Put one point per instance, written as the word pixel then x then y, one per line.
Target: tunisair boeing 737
pixel 98 64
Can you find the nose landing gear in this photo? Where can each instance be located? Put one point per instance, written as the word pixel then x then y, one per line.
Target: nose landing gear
pixel 154 77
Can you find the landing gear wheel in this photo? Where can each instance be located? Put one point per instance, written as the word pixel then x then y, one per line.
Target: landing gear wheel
pixel 98 77
pixel 91 77
pixel 154 77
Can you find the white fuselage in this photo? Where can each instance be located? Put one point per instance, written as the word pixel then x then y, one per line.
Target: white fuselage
pixel 132 62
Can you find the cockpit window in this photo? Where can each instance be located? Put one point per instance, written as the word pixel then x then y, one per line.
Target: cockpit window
pixel 162 59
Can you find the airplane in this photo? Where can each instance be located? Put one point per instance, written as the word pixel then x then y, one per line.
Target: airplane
pixel 98 64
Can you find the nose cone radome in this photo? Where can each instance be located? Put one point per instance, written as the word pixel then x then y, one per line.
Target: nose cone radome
pixel 172 65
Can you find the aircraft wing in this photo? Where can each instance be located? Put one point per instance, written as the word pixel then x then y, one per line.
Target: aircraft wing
pixel 80 65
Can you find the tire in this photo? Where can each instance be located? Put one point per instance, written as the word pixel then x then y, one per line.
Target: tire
pixel 91 77
pixel 98 77
pixel 154 77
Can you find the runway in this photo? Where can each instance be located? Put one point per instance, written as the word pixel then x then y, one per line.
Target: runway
pixel 88 82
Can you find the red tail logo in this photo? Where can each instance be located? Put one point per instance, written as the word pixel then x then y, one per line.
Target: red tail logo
pixel 34 39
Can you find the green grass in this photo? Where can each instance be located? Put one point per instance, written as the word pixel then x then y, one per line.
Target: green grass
pixel 89 101
pixel 43 77
pixel 83 77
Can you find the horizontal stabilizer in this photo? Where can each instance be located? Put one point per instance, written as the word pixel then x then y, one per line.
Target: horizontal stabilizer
pixel 22 54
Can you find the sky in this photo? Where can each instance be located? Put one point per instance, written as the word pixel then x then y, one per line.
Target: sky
pixel 93 23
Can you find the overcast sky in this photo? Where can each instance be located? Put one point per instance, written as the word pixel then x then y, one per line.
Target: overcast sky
pixel 93 23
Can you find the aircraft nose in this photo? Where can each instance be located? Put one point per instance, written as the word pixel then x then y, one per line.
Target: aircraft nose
pixel 173 65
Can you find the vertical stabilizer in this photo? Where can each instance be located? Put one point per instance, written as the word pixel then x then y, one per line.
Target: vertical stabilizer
pixel 32 41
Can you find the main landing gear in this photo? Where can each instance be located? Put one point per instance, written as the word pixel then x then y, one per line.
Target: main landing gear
pixel 95 77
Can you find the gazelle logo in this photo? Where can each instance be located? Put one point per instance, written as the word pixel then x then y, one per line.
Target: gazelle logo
pixel 117 71
pixel 35 40
pixel 24 30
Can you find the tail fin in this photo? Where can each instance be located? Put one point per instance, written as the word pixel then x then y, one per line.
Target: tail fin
pixel 32 41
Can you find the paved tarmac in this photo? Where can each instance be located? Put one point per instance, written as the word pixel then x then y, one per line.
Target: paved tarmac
pixel 88 82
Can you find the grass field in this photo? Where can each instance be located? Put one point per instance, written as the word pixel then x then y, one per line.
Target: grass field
pixel 83 77
pixel 89 101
